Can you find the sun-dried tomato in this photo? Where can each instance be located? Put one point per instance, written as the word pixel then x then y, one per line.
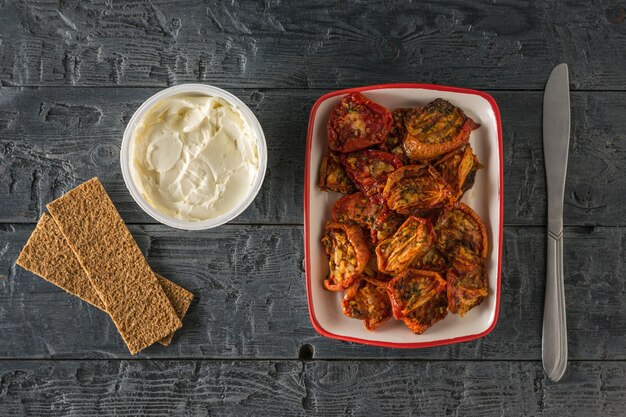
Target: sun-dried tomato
pixel 423 317
pixel 393 141
pixel 459 169
pixel 434 260
pixel 436 129
pixel 369 170
pixel 412 240
pixel 367 300
pixel 462 236
pixel 356 208
pixel 416 189
pixel 466 291
pixel 356 123
pixel 378 219
pixel 333 175
pixel 347 253
pixel 386 224
pixel 413 289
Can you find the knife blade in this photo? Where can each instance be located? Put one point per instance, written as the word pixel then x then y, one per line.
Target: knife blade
pixel 556 135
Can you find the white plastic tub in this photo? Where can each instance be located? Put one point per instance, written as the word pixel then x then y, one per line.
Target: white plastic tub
pixel 127 151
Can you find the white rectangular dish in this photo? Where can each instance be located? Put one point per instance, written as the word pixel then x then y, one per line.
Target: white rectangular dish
pixel 486 198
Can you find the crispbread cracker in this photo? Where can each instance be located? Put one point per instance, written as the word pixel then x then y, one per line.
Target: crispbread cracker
pixel 48 255
pixel 114 265
pixel 180 299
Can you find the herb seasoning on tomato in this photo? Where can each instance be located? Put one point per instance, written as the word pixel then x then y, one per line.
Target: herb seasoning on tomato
pixel 333 175
pixel 367 300
pixel 416 189
pixel 462 236
pixel 466 291
pixel 412 289
pixel 414 239
pixel 424 316
pixel 436 129
pixel 356 123
pixel 347 254
pixel 459 168
pixel 369 170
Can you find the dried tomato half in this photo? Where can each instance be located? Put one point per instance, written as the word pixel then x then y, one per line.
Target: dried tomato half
pixel 367 300
pixel 432 261
pixel 462 236
pixel 356 208
pixel 371 269
pixel 412 240
pixel 436 129
pixel 369 170
pixel 459 168
pixel 425 316
pixel 413 289
pixel 356 123
pixel 398 129
pixel 466 291
pixel 393 141
pixel 347 254
pixel 333 175
pixel 416 189
pixel 386 224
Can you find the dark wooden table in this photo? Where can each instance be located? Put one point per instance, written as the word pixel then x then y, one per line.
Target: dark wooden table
pixel 73 72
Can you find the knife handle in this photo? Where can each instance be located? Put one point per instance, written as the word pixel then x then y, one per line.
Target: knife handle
pixel 554 341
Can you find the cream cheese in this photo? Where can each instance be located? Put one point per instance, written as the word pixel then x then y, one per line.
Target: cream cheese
pixel 194 157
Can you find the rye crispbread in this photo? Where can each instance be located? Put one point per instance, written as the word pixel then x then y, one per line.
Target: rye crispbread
pixel 180 299
pixel 48 255
pixel 114 265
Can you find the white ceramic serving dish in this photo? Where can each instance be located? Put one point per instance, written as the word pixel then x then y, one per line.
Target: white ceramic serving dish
pixel 486 198
pixel 127 151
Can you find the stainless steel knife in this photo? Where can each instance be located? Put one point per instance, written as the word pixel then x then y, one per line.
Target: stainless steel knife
pixel 556 133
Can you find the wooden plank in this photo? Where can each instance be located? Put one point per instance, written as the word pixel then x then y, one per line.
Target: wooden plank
pixel 52 139
pixel 321 44
pixel 250 300
pixel 293 388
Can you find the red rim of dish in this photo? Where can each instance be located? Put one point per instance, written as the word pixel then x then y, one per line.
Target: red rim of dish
pixel 307 258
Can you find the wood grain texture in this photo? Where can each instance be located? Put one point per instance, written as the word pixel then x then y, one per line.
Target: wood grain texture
pixel 236 354
pixel 53 139
pixel 250 300
pixel 293 388
pixel 320 44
